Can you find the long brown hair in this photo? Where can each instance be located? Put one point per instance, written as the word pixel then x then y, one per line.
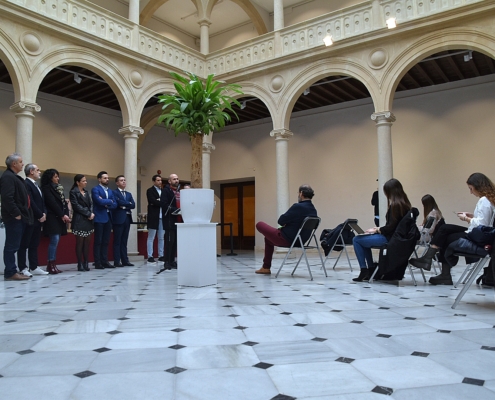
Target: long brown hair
pixel 483 185
pixel 429 204
pixel 398 201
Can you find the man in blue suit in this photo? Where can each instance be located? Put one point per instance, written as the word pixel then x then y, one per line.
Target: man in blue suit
pixel 289 223
pixel 121 218
pixel 103 203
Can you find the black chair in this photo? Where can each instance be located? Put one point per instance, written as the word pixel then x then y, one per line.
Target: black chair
pixel 309 224
pixel 348 224
pixel 425 243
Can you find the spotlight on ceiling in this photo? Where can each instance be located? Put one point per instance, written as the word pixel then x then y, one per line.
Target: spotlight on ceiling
pixel 391 23
pixel 328 40
pixel 243 105
pixel 77 78
pixel 306 91
pixel 468 57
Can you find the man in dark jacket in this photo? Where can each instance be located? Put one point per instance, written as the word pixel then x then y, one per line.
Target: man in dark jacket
pixel 32 233
pixel 170 201
pixel 16 214
pixel 290 223
pixel 154 218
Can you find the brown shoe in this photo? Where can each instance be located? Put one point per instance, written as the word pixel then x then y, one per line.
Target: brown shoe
pixel 16 277
pixel 264 271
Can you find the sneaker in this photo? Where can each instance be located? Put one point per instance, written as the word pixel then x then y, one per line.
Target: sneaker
pixel 26 272
pixel 39 271
pixel 151 260
pixel 16 277
pixel 161 259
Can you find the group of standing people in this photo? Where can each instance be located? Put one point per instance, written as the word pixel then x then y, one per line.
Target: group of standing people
pixel 163 204
pixel 29 210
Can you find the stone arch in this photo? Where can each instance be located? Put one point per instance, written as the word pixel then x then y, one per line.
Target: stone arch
pixel 150 9
pixel 98 63
pixel 16 64
pixel 248 8
pixel 450 39
pixel 319 70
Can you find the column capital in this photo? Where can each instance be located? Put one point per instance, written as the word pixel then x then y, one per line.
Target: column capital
pixel 384 116
pixel 130 131
pixel 204 22
pixel 25 107
pixel 208 148
pixel 281 134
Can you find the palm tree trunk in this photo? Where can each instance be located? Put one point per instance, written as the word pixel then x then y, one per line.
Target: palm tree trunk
pixel 197 161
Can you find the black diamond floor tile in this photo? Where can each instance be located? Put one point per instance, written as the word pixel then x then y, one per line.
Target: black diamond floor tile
pixel 263 365
pixel 175 370
pixel 102 350
pixel 176 347
pixel 472 381
pixel 318 339
pixel 50 334
pixel 383 335
pixel 383 390
pixel 250 343
pixel 114 332
pixel 420 354
pixel 84 374
pixel 178 330
pixel 283 397
pixel 345 360
pixel 24 352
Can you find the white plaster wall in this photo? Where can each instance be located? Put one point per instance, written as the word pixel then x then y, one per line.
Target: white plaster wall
pixel 70 136
pixel 233 36
pixel 172 33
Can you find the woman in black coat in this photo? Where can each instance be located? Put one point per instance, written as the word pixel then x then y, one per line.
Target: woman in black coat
pixel 82 220
pixel 57 214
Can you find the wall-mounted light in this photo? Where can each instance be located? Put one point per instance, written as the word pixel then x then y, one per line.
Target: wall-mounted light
pixel 77 78
pixel 468 57
pixel 243 105
pixel 328 40
pixel 391 23
pixel 306 91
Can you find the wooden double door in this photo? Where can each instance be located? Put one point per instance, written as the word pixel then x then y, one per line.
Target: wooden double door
pixel 238 208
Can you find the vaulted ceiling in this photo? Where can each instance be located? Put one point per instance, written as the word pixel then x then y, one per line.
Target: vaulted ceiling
pixel 438 69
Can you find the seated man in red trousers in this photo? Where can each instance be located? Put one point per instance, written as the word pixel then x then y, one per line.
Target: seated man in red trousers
pixel 290 223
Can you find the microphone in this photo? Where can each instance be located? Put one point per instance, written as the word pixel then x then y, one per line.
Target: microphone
pixel 178 187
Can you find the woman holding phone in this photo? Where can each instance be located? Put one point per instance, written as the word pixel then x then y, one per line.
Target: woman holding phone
pixel 480 186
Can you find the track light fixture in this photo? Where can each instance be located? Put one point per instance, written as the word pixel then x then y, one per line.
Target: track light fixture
pixel 243 105
pixel 77 78
pixel 306 91
pixel 468 57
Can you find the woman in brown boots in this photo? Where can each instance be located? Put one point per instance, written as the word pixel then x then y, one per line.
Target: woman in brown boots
pixel 57 215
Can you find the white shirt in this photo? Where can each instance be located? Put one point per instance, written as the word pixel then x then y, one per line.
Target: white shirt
pixel 159 190
pixel 483 214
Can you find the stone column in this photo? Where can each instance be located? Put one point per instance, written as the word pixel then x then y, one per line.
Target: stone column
pixel 384 122
pixel 134 11
pixel 205 35
pixel 131 135
pixel 24 112
pixel 278 14
pixel 207 148
pixel 282 157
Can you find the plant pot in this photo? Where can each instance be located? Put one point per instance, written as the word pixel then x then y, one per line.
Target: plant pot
pixel 197 205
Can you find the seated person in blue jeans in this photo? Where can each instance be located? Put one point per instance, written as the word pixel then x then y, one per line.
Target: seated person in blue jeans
pixel 290 223
pixel 398 206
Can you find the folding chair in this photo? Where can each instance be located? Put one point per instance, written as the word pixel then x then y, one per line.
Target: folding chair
pixel 425 244
pixel 471 271
pixel 309 224
pixel 353 224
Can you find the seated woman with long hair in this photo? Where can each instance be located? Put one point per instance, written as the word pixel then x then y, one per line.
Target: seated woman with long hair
pixel 483 188
pixel 430 210
pixel 398 206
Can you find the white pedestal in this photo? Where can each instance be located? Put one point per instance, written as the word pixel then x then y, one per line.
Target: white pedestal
pixel 196 254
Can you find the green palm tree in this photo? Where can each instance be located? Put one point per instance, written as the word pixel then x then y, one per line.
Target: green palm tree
pixel 198 108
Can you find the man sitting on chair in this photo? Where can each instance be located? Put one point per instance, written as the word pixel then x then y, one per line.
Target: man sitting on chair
pixel 289 223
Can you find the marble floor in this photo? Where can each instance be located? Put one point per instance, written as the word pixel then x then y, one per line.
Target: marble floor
pixel 129 333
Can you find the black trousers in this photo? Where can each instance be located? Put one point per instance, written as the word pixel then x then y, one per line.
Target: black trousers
pixel 447 234
pixel 30 242
pixel 170 245
pixel 120 238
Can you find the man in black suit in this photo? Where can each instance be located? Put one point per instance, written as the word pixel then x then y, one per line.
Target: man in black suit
pixel 290 223
pixel 16 214
pixel 154 218
pixel 32 233
pixel 121 222
pixel 170 201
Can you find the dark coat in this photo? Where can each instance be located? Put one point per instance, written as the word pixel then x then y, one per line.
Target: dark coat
pixel 37 203
pixel 14 197
pixel 154 207
pixel 169 205
pixel 56 208
pixel 292 219
pixel 82 208
pixel 394 256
